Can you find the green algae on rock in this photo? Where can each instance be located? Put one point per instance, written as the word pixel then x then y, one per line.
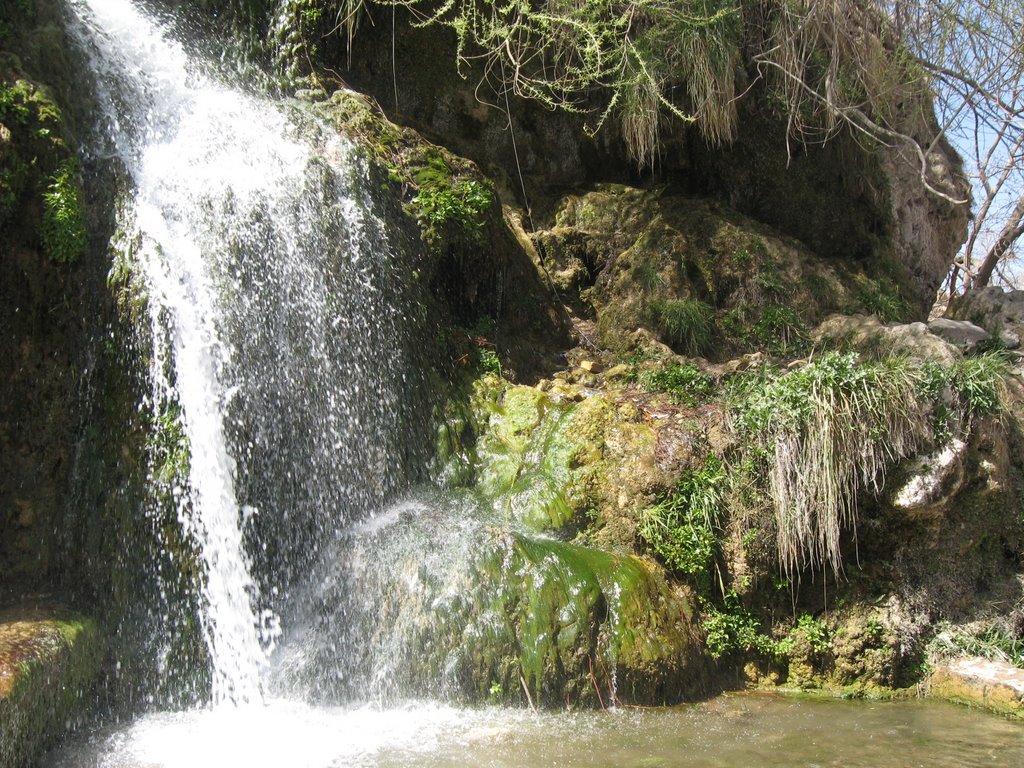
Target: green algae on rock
pixel 50 660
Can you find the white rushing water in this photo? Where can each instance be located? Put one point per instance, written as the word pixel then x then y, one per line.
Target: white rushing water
pixel 266 278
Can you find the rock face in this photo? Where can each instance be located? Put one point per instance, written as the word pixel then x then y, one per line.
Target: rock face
pixel 842 201
pixel 50 660
pixel 965 335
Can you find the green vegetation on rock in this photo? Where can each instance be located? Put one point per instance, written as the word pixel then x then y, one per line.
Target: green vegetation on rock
pixel 827 429
pixel 687 324
pixel 62 229
pixel 50 663
pixel 682 529
pixel 684 383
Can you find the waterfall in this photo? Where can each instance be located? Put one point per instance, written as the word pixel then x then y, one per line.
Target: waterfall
pixel 273 301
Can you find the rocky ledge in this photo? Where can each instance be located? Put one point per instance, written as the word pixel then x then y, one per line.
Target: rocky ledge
pixel 50 659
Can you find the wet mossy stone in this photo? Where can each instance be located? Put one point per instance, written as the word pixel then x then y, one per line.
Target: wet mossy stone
pixel 50 660
pixel 572 624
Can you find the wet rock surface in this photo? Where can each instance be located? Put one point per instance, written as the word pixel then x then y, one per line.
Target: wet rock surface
pixel 50 661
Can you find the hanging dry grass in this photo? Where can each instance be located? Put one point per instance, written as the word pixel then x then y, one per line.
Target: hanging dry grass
pixel 822 433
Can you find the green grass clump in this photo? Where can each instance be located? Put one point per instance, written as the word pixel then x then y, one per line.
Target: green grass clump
pixel 978 382
pixel 685 384
pixel 681 529
pixel 823 431
pixel 687 324
pixel 780 331
pixel 62 228
pixel 996 642
pixel 884 300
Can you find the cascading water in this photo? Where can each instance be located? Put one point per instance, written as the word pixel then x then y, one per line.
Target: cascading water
pixel 274 323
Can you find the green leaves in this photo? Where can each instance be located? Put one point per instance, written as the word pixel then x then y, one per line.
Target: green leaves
pixel 62 229
pixel 681 529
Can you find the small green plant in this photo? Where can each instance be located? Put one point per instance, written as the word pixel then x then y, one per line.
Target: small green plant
pixel 884 300
pixel 685 384
pixel 63 225
pixel 449 206
pixel 814 631
pixel 731 628
pixel 488 361
pixel 495 693
pixel 978 382
pixel 681 529
pixel 768 279
pixel 648 278
pixel 687 324
pixel 780 331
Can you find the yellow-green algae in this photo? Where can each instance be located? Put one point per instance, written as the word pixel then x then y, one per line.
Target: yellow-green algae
pixel 50 659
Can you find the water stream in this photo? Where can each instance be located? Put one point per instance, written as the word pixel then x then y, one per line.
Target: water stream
pixel 278 342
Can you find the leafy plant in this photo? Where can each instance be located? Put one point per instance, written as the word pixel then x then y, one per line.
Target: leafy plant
pixel 978 381
pixel 62 228
pixel 780 330
pixel 449 205
pixel 685 384
pixel 681 529
pixel 687 324
pixel 814 631
pixel 731 628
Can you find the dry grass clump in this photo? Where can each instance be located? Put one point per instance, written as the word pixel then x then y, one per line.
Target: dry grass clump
pixel 819 434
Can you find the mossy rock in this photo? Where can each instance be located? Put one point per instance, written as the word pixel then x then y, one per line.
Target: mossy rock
pixel 706 279
pixel 50 660
pixel 444 603
pixel 551 462
pixel 464 248
pixel 580 624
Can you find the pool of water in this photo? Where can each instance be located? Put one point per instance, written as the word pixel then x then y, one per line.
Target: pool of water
pixel 733 730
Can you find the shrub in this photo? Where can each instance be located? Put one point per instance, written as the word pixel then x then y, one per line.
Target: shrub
pixel 684 384
pixel 687 324
pixel 730 628
pixel 681 529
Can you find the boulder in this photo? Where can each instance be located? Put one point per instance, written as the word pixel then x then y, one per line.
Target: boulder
pixel 997 311
pixel 868 332
pixel 963 334
pixel 994 685
pixel 443 599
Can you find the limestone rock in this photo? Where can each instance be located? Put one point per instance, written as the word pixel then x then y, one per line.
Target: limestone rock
pixel 997 311
pixel 994 685
pixel 934 479
pixel 867 331
pixel 962 333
